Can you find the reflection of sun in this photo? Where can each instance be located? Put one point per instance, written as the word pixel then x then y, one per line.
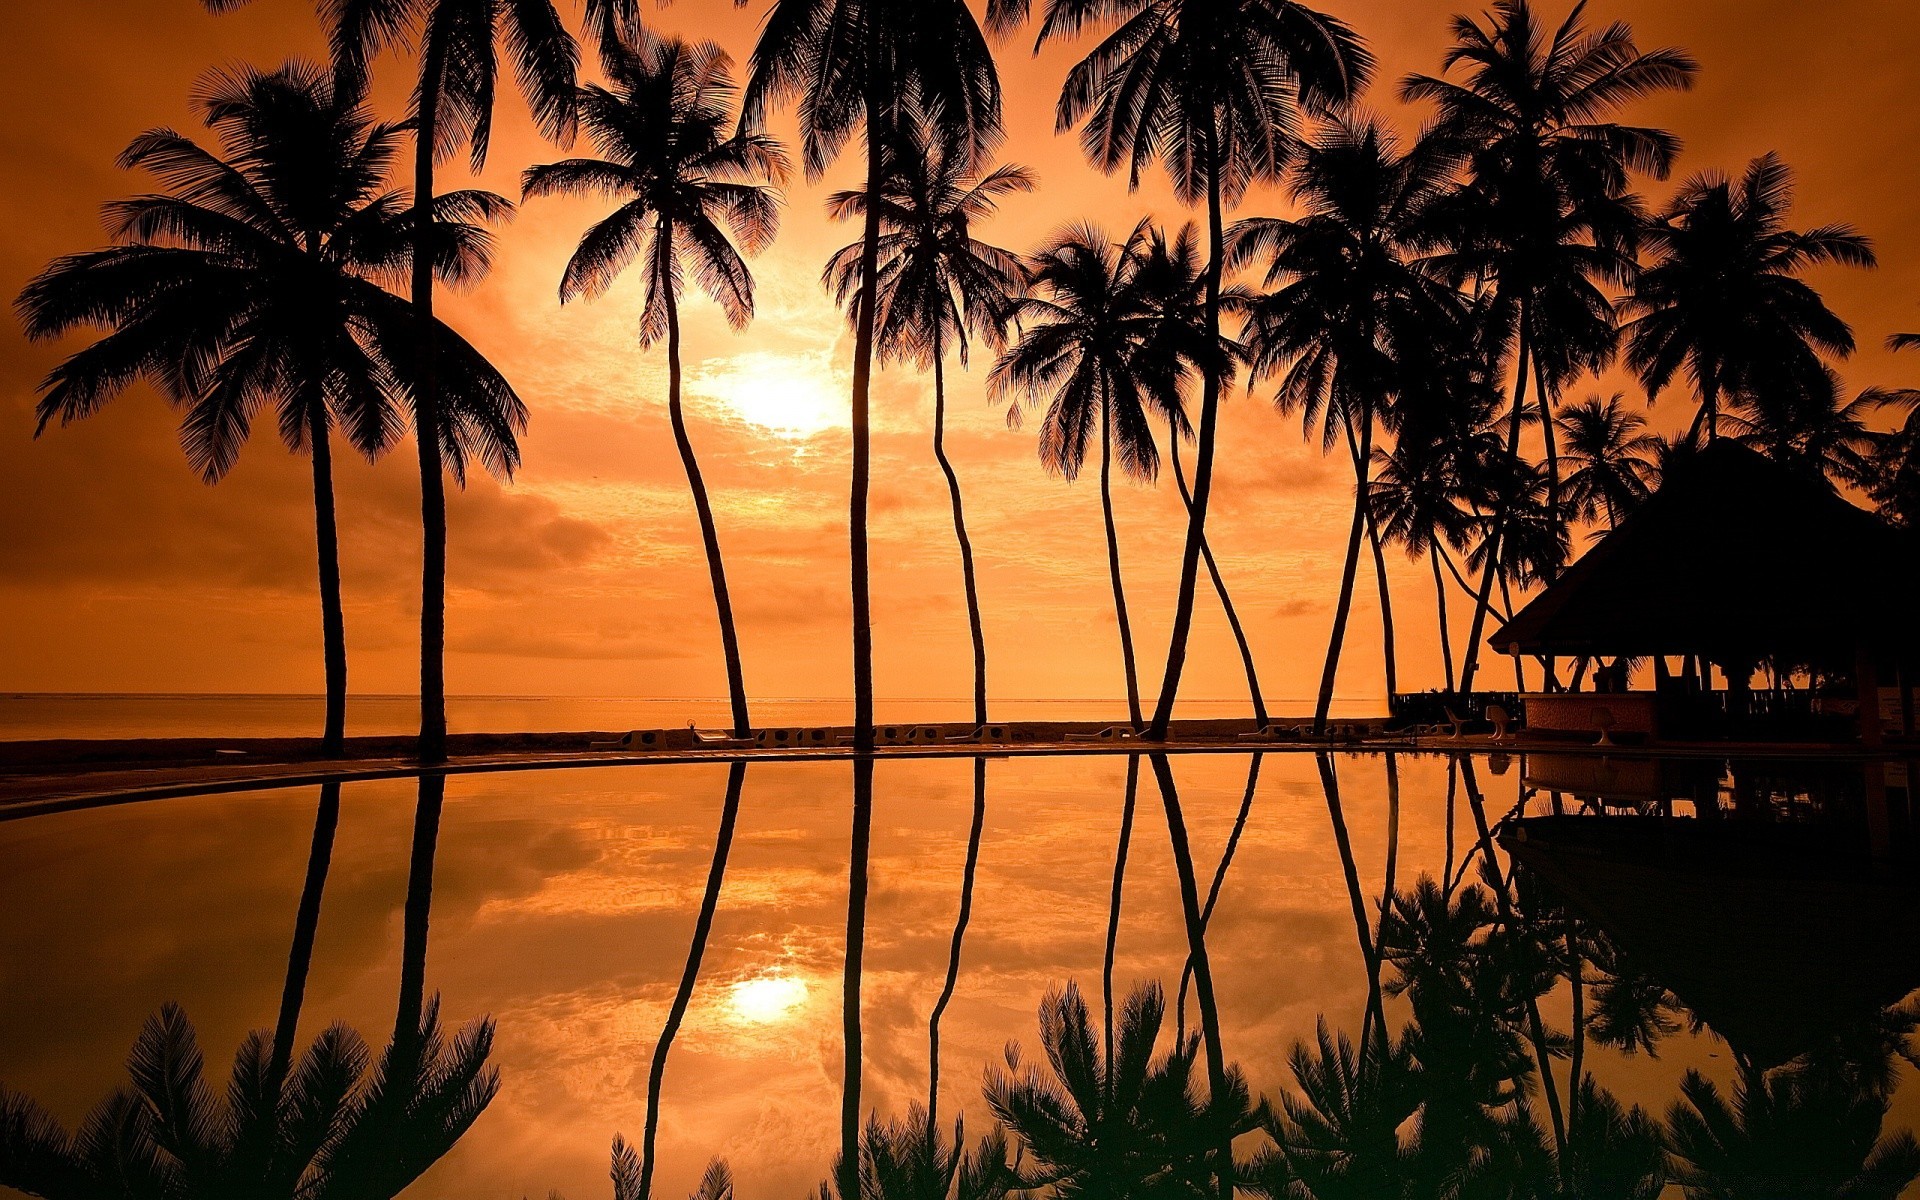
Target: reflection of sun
pixel 767 998
pixel 787 395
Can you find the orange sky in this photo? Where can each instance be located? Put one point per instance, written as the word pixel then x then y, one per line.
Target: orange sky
pixel 120 571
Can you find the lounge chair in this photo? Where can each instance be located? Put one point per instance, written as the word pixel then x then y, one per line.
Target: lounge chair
pixel 1458 722
pixel 1502 721
pixel 1603 721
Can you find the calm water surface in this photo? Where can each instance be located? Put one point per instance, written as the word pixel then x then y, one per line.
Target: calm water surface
pixel 562 905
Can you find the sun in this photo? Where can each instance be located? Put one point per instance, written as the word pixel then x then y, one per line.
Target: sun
pixel 793 396
pixel 767 999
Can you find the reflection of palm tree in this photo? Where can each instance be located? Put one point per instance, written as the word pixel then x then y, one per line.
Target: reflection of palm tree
pixel 1213 889
pixel 1722 297
pixel 1153 89
pixel 167 1135
pixel 1792 1133
pixel 870 64
pixel 256 279
pixel 939 286
pixel 1340 1137
pixel 686 178
pixel 1113 904
pixel 913 1160
pixel 1122 1126
pixel 696 950
pixel 1330 787
pixel 959 937
pixel 306 925
pixel 859 842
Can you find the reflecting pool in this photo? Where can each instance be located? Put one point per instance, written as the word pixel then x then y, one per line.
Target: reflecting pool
pixel 1349 968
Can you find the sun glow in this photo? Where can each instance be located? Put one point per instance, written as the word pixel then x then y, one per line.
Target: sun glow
pixel 767 998
pixel 791 396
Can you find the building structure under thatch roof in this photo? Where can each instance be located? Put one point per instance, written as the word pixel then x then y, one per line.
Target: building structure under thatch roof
pixel 1736 560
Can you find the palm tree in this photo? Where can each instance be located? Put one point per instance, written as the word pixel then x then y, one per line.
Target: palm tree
pixel 1126 1125
pixel 872 65
pixel 306 926
pixel 255 279
pixel 1174 281
pixel 967 876
pixel 1415 501
pixel 1154 89
pixel 689 976
pixel 1352 317
pixel 1546 218
pixel 912 1159
pixel 1896 460
pixel 1722 295
pixel 1607 454
pixel 1797 1132
pixel 460 43
pixel 939 287
pixel 686 179
pixel 1813 428
pixel 167 1135
pixel 1091 346
pixel 1340 1136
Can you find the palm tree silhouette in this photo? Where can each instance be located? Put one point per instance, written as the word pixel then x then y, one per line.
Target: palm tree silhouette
pixel 1171 275
pixel 685 179
pixel 459 44
pixel 1607 449
pixel 1118 894
pixel 255 279
pixel 716 1182
pixel 967 876
pixel 1351 314
pixel 1812 427
pixel 1154 89
pixel 1415 499
pixel 1895 486
pixel 912 1159
pixel 167 1135
pixel 326 822
pixel 871 65
pixel 1219 881
pixel 1340 1135
pixel 1545 217
pixel 859 843
pixel 1129 1125
pixel 683 995
pixel 1722 295
pixel 1792 1133
pixel 939 286
pixel 1093 348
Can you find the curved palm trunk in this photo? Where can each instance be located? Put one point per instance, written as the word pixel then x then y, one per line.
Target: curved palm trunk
pixel 306 925
pixel 1218 1086
pixel 1213 890
pixel 709 536
pixel 959 938
pixel 849 1164
pixel 1362 470
pixel 862 468
pixel 959 532
pixel 1113 566
pixel 333 625
pixel 1330 785
pixel 419 907
pixel 1210 382
pixel 1220 588
pixel 1330 670
pixel 427 422
pixel 1440 600
pixel 1386 898
pixel 1485 596
pixel 1113 918
pixel 696 950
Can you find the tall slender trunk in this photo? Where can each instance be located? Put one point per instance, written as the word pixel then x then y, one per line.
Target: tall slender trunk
pixel 959 939
pixel 959 531
pixel 1330 670
pixel 696 950
pixel 427 422
pixel 1386 898
pixel 419 907
pixel 1544 398
pixel 1576 1066
pixel 1113 562
pixel 862 387
pixel 1363 469
pixel 333 624
pixel 1213 890
pixel 1210 384
pixel 1113 921
pixel 709 535
pixel 1440 599
pixel 849 1165
pixel 306 925
pixel 1494 533
pixel 1519 670
pixel 1220 587
pixel 1330 785
pixel 1218 1085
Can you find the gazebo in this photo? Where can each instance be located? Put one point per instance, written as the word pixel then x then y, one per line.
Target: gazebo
pixel 1735 561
